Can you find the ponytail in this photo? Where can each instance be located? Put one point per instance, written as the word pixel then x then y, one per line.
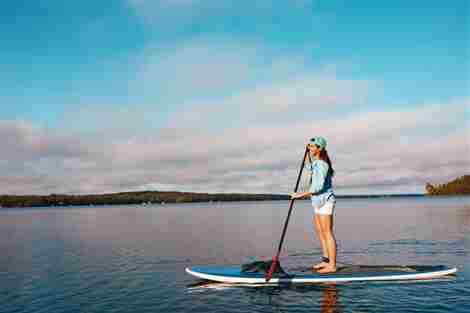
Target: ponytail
pixel 324 156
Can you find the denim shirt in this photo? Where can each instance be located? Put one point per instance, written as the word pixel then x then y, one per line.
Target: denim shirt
pixel 321 185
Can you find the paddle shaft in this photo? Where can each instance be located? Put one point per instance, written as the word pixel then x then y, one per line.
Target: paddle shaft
pixel 275 260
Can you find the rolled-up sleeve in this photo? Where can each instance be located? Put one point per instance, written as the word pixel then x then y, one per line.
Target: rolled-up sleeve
pixel 319 173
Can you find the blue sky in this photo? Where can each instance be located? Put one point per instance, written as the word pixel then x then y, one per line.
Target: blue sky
pixel 219 96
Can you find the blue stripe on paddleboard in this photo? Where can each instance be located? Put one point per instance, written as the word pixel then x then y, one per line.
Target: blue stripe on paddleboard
pixel 234 271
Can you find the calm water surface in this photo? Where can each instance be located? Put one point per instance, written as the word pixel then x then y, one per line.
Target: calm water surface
pixel 132 258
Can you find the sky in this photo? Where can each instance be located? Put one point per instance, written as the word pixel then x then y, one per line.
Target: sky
pixel 222 96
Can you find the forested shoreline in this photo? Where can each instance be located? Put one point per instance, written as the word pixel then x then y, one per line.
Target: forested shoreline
pixel 141 197
pixel 150 197
pixel 459 186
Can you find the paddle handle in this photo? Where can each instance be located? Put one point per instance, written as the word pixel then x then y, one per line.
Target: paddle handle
pixel 275 259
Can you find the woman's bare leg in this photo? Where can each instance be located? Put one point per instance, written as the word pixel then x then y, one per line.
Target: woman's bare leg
pixel 322 239
pixel 326 224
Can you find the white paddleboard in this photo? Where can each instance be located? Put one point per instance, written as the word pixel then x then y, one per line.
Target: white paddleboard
pixel 233 274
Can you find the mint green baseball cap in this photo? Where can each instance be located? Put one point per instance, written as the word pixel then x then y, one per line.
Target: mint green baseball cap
pixel 319 141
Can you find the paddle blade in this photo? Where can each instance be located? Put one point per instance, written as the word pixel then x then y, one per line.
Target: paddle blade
pixel 272 268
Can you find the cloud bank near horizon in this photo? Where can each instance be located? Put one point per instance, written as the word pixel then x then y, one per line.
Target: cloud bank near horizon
pixel 372 152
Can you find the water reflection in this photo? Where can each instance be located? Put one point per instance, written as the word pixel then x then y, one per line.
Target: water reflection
pixel 330 301
pixel 322 298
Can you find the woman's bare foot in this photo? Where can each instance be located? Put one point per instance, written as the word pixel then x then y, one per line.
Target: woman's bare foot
pixel 320 265
pixel 327 269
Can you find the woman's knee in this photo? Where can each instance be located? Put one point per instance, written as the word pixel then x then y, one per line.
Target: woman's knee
pixel 327 232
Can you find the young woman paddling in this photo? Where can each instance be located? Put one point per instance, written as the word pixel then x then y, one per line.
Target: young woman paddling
pixel 323 201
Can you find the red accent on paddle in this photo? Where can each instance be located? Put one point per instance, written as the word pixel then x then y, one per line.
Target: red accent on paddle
pixel 275 260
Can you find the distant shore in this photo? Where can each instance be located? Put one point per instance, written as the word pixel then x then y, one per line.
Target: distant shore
pixel 150 197
pixel 459 186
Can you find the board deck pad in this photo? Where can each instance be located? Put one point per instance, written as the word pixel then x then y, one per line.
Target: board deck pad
pixel 233 274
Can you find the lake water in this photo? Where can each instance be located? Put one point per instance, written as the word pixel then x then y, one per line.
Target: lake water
pixel 132 258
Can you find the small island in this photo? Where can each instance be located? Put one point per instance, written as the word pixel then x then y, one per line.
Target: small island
pixel 459 186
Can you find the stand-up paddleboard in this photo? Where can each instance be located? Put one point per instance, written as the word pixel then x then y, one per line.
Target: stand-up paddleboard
pixel 233 274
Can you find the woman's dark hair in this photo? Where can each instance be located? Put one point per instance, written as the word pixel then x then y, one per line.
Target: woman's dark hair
pixel 324 156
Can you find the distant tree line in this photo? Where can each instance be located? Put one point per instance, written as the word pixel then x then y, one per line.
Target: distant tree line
pixel 143 197
pixel 459 186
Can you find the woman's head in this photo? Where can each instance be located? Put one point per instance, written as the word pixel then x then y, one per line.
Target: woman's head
pixel 320 142
pixel 317 146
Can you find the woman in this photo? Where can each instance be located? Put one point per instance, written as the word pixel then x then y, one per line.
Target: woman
pixel 323 201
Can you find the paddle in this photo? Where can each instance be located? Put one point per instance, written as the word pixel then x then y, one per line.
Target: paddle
pixel 275 260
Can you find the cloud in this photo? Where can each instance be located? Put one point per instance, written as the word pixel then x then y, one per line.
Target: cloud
pixel 305 97
pixel 215 79
pixel 31 143
pixel 197 67
pixel 385 151
pixel 240 127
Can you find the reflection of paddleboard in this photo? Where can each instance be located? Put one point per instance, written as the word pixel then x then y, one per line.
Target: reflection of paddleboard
pixel 233 274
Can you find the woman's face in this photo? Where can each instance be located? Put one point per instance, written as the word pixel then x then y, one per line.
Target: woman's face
pixel 313 149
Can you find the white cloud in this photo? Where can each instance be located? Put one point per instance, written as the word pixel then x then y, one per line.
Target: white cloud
pixel 216 81
pixel 378 152
pixel 31 143
pixel 240 127
pixel 308 97
pixel 197 67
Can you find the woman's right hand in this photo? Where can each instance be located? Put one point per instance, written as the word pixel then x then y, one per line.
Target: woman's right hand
pixel 295 195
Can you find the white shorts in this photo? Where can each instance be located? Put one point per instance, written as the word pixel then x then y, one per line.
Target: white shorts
pixel 326 209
